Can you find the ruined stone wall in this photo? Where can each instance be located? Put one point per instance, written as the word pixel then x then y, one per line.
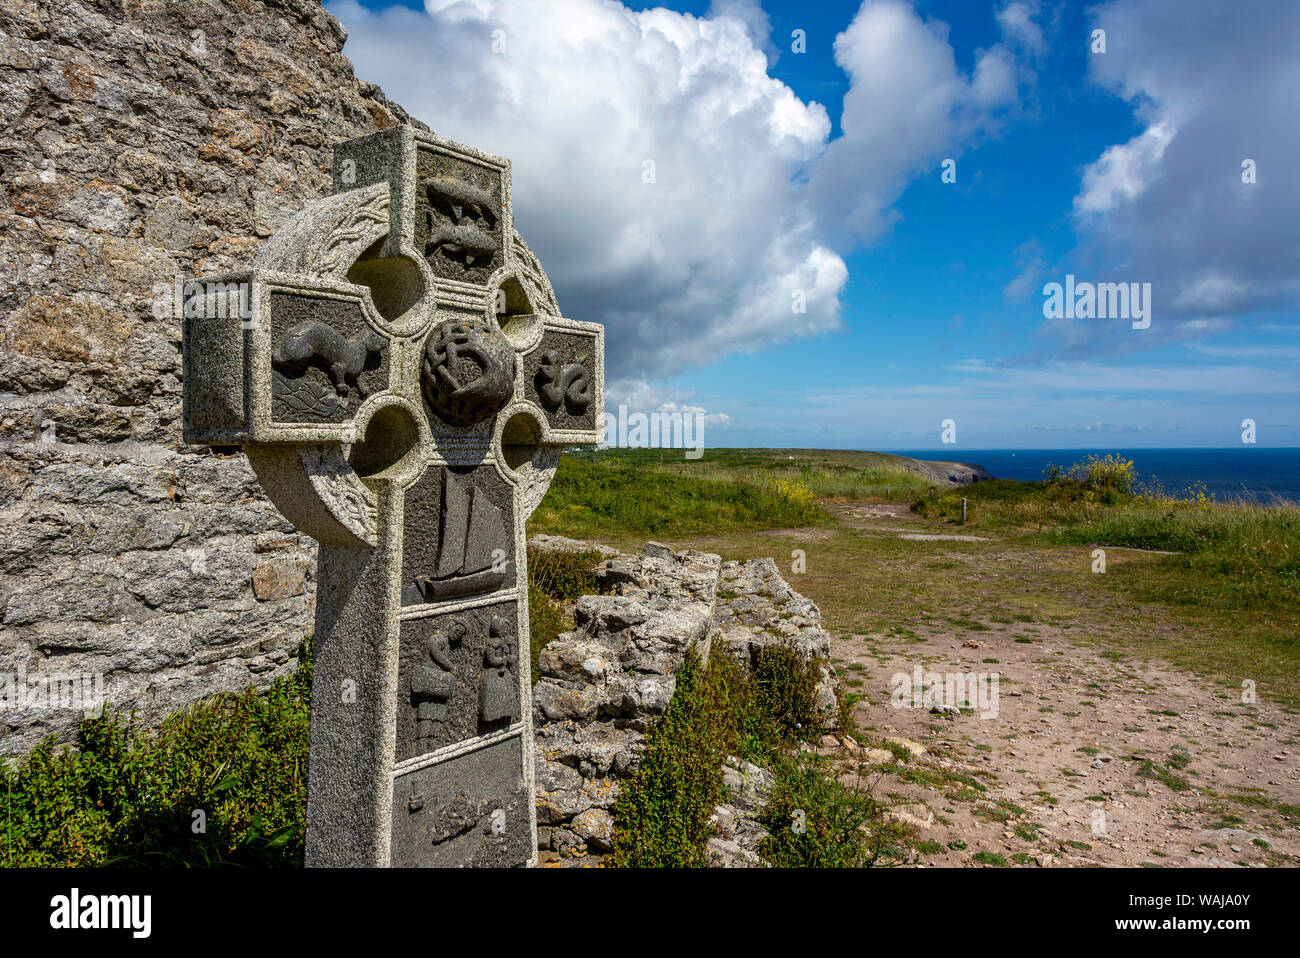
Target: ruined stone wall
pixel 602 685
pixel 142 141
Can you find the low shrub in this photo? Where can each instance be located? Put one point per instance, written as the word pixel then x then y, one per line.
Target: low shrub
pixel 563 575
pixel 662 815
pixel 661 818
pixel 783 696
pixel 816 821
pixel 1099 472
pixel 221 782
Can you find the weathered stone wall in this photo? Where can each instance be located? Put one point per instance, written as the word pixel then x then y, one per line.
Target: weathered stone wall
pixel 602 685
pixel 142 141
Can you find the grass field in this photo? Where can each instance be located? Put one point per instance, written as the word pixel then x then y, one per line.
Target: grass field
pixel 1228 594
pixel 639 492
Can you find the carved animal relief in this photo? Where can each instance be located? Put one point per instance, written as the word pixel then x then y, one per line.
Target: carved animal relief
pixel 459 217
pixel 569 383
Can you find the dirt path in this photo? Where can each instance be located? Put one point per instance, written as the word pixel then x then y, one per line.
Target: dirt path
pixel 1082 759
pixel 1100 752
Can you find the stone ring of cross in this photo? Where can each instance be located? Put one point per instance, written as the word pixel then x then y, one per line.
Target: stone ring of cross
pixel 333 375
pixel 397 370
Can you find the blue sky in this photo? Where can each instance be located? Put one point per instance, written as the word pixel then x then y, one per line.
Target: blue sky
pixel 778 171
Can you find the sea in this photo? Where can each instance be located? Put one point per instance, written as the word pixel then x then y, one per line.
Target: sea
pixel 1240 472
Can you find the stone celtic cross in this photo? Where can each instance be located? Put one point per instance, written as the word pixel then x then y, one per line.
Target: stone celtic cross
pixel 397 371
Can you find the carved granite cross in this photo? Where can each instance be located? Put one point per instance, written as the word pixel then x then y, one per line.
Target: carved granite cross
pixel 403 385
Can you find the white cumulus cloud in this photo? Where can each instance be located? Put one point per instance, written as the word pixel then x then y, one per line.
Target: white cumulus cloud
pixel 908 107
pixel 1212 85
pixel 673 189
pixel 590 101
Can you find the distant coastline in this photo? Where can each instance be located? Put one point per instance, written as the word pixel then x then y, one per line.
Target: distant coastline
pixel 1243 472
pixel 949 470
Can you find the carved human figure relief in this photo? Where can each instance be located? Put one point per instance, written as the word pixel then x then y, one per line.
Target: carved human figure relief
pixel 497 685
pixel 433 685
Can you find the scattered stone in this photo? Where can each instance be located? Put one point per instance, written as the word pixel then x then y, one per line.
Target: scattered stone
pixel 738 833
pixel 917 814
pixel 595 827
pixel 766 611
pixel 915 749
pixel 547 543
pixel 603 684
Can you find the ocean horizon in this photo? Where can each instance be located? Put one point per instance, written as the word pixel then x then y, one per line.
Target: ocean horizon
pixel 1234 472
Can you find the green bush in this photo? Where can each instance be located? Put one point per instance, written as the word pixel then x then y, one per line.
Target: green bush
pixel 785 691
pixel 129 797
pixel 774 702
pixel 661 818
pixel 565 576
pixel 1104 472
pixel 816 821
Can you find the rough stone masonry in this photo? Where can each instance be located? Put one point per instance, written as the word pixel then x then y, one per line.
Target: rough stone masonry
pixel 142 142
pixel 397 371
pixel 602 685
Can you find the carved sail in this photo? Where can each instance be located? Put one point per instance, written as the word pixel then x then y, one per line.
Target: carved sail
pixel 472 536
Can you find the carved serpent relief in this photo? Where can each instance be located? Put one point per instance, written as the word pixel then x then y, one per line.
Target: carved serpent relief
pixel 570 383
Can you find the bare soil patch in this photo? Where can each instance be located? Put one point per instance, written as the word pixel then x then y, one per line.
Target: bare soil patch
pixel 1088 761
pixel 1121 736
pixel 806 534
